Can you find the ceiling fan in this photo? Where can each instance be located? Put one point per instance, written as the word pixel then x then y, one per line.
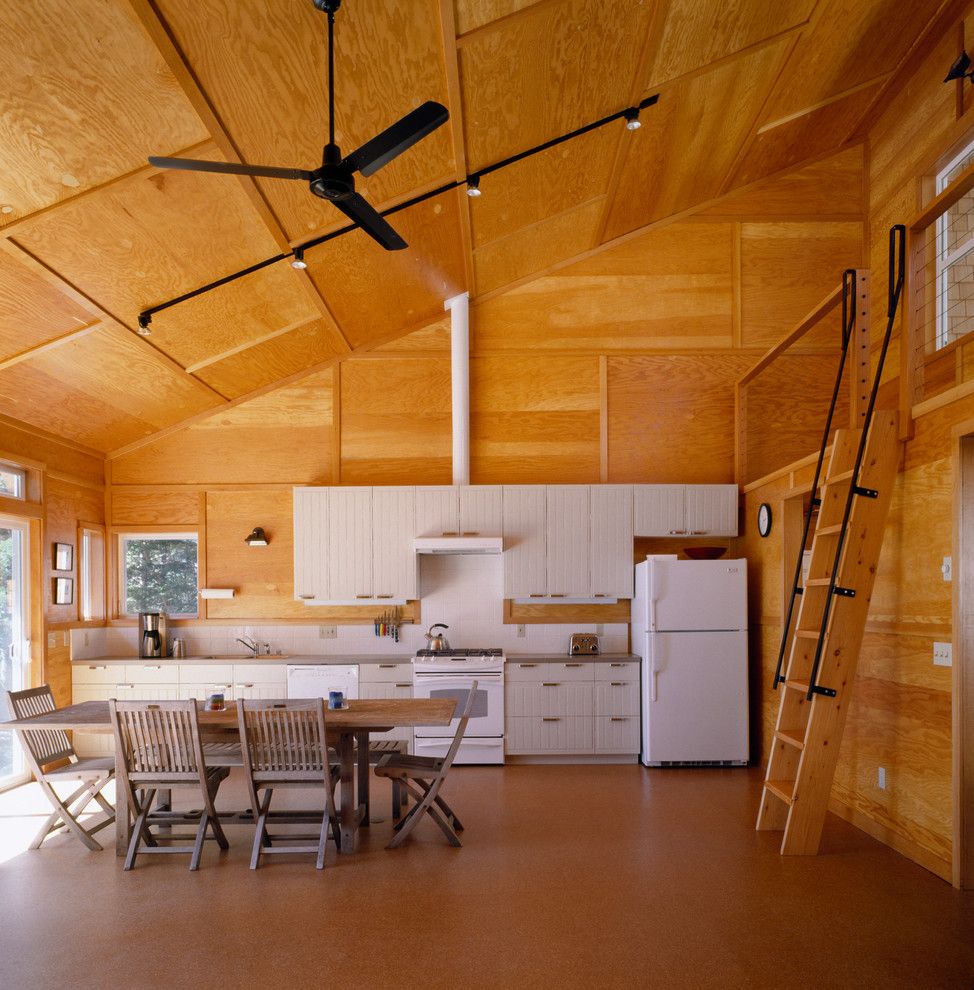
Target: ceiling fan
pixel 334 179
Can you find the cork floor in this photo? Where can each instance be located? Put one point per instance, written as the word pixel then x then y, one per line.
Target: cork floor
pixel 569 877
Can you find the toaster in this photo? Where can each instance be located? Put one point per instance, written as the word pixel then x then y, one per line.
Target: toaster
pixel 584 644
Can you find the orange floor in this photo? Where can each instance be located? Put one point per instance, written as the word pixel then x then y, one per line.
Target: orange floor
pixel 569 877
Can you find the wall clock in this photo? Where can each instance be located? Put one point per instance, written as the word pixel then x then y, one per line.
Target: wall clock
pixel 764 519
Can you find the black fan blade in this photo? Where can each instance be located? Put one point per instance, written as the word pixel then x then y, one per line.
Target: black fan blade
pixel 229 168
pixel 394 140
pixel 374 224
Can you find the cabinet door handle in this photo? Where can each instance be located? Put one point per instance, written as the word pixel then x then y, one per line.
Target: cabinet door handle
pixel 548 718
pixel 100 666
pixel 152 666
pixel 698 532
pixel 551 683
pixel 617 684
pixel 573 665
pixel 616 719
pixel 600 594
pixel 617 665
pixel 556 596
pixel 306 597
pixel 125 685
pixel 471 532
pixel 535 596
pixel 383 596
pixel 678 532
pixel 245 685
pixel 451 532
pixel 409 684
pixel 388 666
pixel 363 596
pixel 523 665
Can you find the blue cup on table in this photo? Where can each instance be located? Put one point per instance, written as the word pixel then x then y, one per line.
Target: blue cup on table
pixel 336 699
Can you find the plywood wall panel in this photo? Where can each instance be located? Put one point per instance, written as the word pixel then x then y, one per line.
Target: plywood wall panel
pixel 59 457
pixel 534 420
pixel 66 504
pixel 155 508
pixel 283 437
pixel 670 288
pixel 787 269
pixel 671 418
pixel 396 422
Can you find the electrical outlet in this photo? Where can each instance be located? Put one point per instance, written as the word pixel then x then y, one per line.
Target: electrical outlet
pixel 599 629
pixel 521 631
pixel 943 654
pixel 85 638
pixel 881 779
pixel 947 568
pixel 327 632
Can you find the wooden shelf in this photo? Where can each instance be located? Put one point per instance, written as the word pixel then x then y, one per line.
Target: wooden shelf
pixel 784 790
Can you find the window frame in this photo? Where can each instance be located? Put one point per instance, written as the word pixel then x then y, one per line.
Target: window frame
pixel 120 536
pixel 941 339
pixel 85 589
pixel 19 471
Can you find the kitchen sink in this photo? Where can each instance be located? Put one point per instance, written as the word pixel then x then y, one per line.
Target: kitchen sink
pixel 227 657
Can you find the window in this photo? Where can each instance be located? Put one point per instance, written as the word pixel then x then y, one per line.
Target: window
pixel 91 572
pixel 12 481
pixel 955 257
pixel 158 573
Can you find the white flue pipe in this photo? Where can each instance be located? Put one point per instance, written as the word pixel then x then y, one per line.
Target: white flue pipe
pixel 459 309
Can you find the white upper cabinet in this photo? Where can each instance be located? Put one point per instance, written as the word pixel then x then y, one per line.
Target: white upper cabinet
pixel 310 543
pixel 611 538
pixel 685 510
pixel 481 510
pixel 711 510
pixel 568 514
pixel 437 511
pixel 524 541
pixel 658 510
pixel 350 544
pixel 394 562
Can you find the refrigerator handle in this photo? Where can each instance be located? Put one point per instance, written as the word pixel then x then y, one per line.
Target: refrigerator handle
pixel 652 597
pixel 652 665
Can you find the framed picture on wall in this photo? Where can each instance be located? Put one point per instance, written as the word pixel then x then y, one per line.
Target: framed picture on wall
pixel 63 556
pixel 63 591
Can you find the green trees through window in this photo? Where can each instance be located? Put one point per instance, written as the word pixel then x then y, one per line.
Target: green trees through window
pixel 160 574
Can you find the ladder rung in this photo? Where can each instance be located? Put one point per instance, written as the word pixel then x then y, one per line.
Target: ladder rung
pixel 807 633
pixel 792 737
pixel 783 789
pixel 829 530
pixel 818 582
pixel 842 476
pixel 797 686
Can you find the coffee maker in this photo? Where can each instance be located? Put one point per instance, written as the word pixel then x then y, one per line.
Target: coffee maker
pixel 153 642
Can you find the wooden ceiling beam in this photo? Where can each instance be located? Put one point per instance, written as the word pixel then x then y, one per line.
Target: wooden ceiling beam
pixel 230 352
pixel 805 111
pixel 49 345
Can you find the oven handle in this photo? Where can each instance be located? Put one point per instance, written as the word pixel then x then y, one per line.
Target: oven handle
pixel 430 741
pixel 452 680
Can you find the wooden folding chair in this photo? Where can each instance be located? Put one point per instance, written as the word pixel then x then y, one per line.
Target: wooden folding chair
pixel 422 777
pixel 44 747
pixel 284 745
pixel 161 750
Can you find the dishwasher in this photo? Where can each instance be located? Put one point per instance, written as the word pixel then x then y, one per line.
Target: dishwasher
pixel 316 680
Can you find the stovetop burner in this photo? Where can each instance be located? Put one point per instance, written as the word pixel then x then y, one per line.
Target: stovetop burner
pixel 493 651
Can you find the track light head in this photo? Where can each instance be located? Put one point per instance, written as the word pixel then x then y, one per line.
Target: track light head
pixel 298 260
pixel 959 70
pixel 144 329
pixel 473 186
pixel 632 119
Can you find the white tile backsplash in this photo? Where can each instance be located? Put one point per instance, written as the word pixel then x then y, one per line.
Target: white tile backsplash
pixel 464 592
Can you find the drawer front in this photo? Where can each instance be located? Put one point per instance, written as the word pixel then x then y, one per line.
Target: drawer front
pixel 617 698
pixel 549 698
pixel 98 673
pixel 386 689
pixel 617 734
pixel 617 670
pixel 202 673
pixel 528 670
pixel 385 672
pixel 551 734
pixel 254 689
pixel 570 670
pixel 152 673
pixel 254 673
pixel 201 690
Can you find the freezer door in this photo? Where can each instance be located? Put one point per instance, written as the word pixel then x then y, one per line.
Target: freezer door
pixel 698 594
pixel 695 698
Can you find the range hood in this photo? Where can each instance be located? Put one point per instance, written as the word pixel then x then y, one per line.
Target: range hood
pixel 459 544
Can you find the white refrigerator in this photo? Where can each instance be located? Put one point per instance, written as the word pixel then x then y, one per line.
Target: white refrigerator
pixel 689 627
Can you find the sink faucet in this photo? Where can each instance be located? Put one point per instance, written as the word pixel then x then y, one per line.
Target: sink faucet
pixel 251 644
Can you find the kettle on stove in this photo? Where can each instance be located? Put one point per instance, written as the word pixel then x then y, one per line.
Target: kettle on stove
pixel 437 641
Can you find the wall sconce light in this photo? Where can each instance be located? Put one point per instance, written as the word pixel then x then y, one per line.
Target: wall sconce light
pixel 959 70
pixel 258 538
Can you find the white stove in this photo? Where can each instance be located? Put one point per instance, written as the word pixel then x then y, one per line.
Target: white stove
pixel 450 674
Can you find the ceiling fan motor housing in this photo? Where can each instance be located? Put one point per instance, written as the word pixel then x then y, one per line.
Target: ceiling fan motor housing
pixel 333 180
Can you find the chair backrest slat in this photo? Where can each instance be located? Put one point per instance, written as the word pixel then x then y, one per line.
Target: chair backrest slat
pixel 282 735
pixel 44 745
pixel 461 728
pixel 158 737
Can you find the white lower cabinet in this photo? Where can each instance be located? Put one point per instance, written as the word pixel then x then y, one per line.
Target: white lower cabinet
pixel 388 680
pixel 572 708
pixel 259 680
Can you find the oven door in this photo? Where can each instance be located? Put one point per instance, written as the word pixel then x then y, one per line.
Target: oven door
pixel 487 716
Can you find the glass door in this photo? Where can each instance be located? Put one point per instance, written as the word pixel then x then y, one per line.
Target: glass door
pixel 14 642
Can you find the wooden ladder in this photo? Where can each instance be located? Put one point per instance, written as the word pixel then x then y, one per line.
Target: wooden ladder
pixel 827 634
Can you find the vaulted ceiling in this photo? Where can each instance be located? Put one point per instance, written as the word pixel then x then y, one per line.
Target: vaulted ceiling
pixel 91 235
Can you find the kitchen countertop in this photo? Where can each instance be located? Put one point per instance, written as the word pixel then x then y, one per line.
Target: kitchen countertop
pixel 360 658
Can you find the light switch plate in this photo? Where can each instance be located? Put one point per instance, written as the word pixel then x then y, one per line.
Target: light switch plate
pixel 881 779
pixel 521 631
pixel 327 632
pixel 947 568
pixel 943 654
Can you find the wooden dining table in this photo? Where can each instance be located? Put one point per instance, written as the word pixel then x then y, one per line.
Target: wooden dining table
pixel 348 728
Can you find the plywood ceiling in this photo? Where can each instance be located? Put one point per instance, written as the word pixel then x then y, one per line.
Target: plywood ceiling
pixel 90 235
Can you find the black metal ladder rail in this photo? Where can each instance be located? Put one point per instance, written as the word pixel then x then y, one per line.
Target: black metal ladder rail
pixel 897 273
pixel 849 294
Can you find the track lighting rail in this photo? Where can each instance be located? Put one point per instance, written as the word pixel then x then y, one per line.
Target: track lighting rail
pixel 629 114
